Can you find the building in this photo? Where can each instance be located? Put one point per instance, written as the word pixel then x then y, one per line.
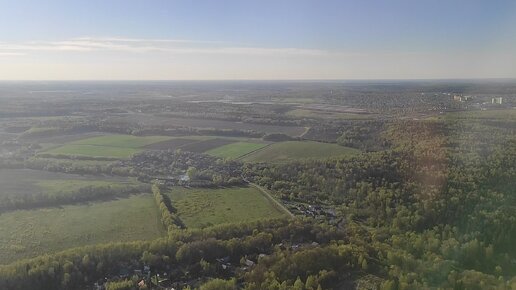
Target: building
pixel 497 100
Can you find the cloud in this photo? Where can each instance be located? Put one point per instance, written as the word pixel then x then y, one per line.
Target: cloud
pixel 140 45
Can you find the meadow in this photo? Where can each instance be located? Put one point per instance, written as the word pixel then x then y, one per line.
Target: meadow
pixel 35 232
pixel 28 182
pixel 207 124
pixel 306 113
pixel 202 207
pixel 297 150
pixel 124 146
pixel 116 146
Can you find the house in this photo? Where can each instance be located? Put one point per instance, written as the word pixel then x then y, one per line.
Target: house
pixel 497 100
pixel 249 263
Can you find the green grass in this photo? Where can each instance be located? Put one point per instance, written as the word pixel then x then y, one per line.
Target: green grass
pixel 235 150
pixel 122 141
pixel 28 233
pixel 116 146
pixel 199 208
pixel 94 151
pixel 62 185
pixel 305 113
pixel 27 182
pixel 78 162
pixel 297 150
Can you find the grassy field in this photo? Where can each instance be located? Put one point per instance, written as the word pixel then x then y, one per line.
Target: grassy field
pixel 80 162
pixel 117 146
pixel 305 113
pixel 27 182
pixel 199 208
pixel 235 150
pixel 28 233
pixel 296 150
pixel 207 124
pixel 205 145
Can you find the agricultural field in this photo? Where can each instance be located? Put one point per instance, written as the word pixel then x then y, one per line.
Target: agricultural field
pixel 171 144
pixel 306 113
pixel 296 150
pixel 202 207
pixel 207 124
pixel 235 150
pixel 114 146
pixel 27 182
pixel 35 232
pixel 203 146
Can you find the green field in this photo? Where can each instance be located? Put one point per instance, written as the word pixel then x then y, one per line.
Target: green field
pixel 199 208
pixel 235 150
pixel 27 182
pixel 296 150
pixel 306 113
pixel 116 146
pixel 28 233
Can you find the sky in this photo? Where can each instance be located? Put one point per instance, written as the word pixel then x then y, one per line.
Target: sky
pixel 260 39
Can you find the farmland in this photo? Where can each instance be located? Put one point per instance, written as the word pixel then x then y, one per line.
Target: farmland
pixel 235 150
pixel 124 146
pixel 171 144
pixel 306 113
pixel 295 150
pixel 27 182
pixel 205 207
pixel 207 124
pixel 115 146
pixel 35 232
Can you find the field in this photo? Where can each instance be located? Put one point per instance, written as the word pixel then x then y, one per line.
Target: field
pixel 171 144
pixel 235 150
pixel 199 208
pixel 115 146
pixel 208 124
pixel 27 182
pixel 35 232
pixel 123 146
pixel 203 146
pixel 306 113
pixel 296 150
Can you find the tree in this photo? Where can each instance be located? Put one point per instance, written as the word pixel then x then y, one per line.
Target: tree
pixel 311 283
pixel 298 284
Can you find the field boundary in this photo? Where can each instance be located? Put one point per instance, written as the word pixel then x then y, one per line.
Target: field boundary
pixel 254 151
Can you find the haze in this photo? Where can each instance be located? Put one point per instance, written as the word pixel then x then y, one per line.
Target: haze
pixel 207 40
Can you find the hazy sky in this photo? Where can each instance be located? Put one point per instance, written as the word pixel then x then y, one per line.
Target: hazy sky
pixel 261 39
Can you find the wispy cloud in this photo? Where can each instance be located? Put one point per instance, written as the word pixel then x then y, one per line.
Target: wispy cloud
pixel 11 53
pixel 140 45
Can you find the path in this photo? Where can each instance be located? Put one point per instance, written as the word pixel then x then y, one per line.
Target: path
pixel 266 193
